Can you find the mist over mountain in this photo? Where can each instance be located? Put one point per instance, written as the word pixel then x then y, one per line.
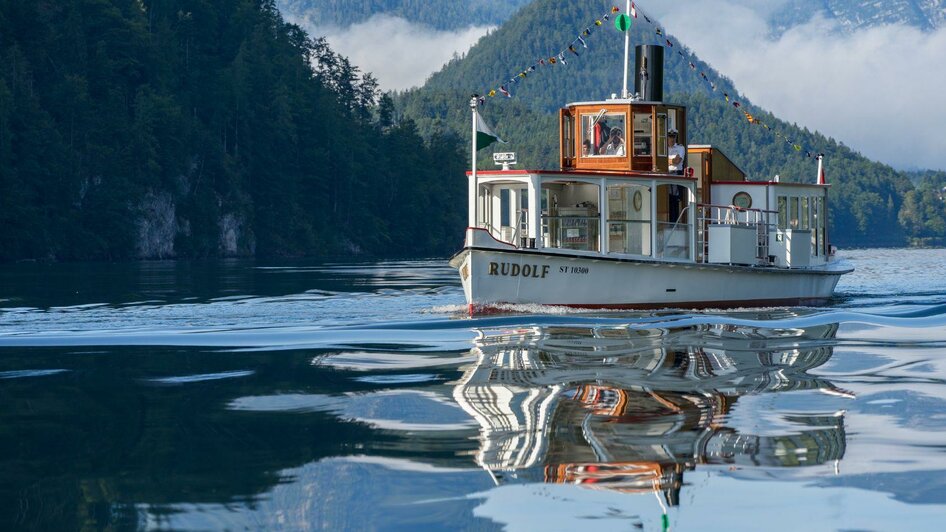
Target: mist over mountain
pixel 854 15
pixel 438 14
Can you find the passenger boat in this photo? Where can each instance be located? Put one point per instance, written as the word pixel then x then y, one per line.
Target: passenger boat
pixel 619 227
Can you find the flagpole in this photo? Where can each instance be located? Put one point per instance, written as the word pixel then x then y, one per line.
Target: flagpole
pixel 473 184
pixel 627 51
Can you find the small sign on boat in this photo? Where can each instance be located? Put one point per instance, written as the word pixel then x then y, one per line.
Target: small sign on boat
pixel 505 159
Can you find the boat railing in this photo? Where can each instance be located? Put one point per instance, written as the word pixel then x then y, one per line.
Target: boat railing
pixel 495 232
pixel 676 237
pixel 759 219
pixel 513 235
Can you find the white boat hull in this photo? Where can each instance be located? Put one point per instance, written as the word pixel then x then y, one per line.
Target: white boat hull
pixel 494 278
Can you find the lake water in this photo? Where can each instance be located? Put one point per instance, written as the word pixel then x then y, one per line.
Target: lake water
pixel 252 395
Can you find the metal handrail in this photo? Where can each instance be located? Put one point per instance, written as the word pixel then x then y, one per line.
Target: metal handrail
pixel 758 218
pixel 517 236
pixel 736 208
pixel 673 229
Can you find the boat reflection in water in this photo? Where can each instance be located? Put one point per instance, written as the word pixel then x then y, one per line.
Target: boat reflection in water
pixel 624 409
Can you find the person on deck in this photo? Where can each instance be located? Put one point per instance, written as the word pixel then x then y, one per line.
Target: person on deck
pixel 615 144
pixel 675 153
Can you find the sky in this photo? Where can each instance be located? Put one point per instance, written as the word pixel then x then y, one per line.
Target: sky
pixel 877 91
pixel 378 45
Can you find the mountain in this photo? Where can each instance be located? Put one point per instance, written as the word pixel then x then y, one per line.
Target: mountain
pixel 867 197
pixel 439 14
pixel 854 15
pixel 188 128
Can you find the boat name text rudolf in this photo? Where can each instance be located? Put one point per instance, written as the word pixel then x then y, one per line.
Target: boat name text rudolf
pixel 515 270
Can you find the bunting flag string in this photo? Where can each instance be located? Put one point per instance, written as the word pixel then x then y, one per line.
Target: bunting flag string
pixel 554 59
pixel 751 119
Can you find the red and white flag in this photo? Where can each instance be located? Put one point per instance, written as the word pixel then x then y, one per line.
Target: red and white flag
pixel 633 10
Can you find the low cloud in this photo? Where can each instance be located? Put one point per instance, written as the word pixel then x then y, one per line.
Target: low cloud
pixel 877 90
pixel 399 53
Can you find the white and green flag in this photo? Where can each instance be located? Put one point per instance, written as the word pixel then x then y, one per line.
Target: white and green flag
pixel 484 134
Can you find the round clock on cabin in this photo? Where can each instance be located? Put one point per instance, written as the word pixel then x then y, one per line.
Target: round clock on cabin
pixel 638 200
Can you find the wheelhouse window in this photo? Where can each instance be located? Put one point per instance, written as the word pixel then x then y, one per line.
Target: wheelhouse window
pixel 603 134
pixel 661 135
pixel 643 134
pixel 568 136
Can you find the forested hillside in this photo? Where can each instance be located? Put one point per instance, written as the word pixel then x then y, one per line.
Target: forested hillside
pixel 162 128
pixel 867 197
pixel 439 14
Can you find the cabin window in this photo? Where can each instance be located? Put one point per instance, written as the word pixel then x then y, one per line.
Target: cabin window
pixel 793 214
pixel 805 223
pixel 782 212
pixel 817 235
pixel 629 220
pixel 572 220
pixel 603 134
pixel 823 226
pixel 643 134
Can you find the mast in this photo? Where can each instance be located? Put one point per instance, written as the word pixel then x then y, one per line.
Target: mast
pixel 627 50
pixel 473 184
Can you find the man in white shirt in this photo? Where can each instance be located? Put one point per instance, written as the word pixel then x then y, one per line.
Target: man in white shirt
pixel 615 145
pixel 675 153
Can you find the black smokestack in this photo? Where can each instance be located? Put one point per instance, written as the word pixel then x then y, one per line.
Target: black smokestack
pixel 649 80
